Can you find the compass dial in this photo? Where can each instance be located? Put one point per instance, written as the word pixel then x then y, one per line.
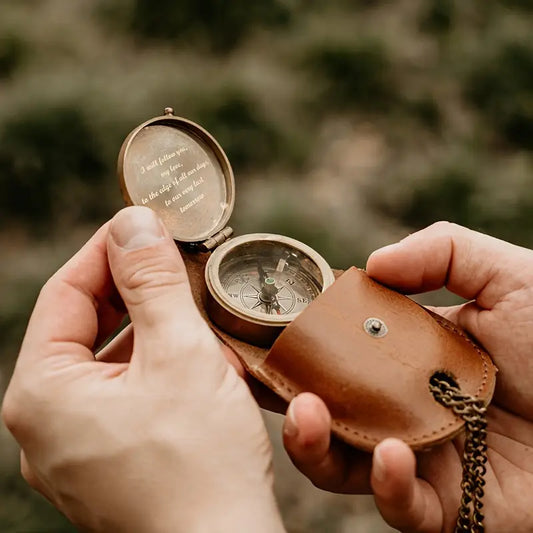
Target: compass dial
pixel 263 279
pixel 273 282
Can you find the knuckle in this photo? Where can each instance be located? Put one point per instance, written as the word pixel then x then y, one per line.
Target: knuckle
pixel 176 343
pixel 10 412
pixel 152 274
pixel 56 288
pixel 443 227
pixel 48 288
pixel 24 402
pixel 196 340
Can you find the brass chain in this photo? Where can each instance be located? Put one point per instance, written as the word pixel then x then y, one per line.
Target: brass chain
pixel 473 412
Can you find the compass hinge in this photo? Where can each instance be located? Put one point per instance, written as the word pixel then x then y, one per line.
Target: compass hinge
pixel 217 239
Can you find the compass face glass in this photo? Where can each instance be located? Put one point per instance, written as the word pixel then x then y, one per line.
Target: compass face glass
pixel 269 279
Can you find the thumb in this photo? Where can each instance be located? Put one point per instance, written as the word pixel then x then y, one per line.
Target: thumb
pixel 151 277
pixel 470 264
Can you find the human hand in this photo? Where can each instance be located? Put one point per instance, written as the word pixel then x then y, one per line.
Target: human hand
pixel 422 493
pixel 159 433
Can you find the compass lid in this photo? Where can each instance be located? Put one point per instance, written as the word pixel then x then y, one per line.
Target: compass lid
pixel 179 170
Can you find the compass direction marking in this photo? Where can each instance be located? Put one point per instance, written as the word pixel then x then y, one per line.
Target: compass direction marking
pixel 282 263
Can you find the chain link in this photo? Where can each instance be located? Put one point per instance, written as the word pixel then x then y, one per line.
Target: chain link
pixel 473 412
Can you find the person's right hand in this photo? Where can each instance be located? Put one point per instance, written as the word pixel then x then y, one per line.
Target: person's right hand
pixel 423 494
pixel 159 433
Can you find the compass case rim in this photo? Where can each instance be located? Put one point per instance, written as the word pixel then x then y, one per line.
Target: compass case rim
pixel 230 317
pixel 201 230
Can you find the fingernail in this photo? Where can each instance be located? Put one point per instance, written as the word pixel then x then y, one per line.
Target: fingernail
pixel 136 227
pixel 378 465
pixel 291 427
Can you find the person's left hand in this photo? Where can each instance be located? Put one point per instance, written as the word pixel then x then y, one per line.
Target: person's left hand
pixel 422 493
pixel 159 432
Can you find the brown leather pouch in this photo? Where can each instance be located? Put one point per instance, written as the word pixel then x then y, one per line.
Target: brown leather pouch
pixel 375 386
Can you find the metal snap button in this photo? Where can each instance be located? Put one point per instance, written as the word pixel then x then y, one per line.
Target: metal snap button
pixel 375 327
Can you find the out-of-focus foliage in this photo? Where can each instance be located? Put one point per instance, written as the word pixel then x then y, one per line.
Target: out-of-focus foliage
pixel 353 76
pixel 45 156
pixel 445 196
pixel 238 124
pixel 526 5
pixel 501 87
pixel 438 17
pixel 12 52
pixel 348 124
pixel 221 26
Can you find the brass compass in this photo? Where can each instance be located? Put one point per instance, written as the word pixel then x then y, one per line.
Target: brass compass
pixel 257 283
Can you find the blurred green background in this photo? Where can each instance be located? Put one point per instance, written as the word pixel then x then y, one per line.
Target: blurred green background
pixel 348 124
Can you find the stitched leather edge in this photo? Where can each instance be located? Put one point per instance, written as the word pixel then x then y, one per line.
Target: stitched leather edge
pixel 442 431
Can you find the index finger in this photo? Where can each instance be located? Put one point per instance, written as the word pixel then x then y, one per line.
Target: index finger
pixel 468 263
pixel 65 316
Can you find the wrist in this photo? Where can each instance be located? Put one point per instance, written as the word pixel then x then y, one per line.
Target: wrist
pixel 231 509
pixel 252 511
